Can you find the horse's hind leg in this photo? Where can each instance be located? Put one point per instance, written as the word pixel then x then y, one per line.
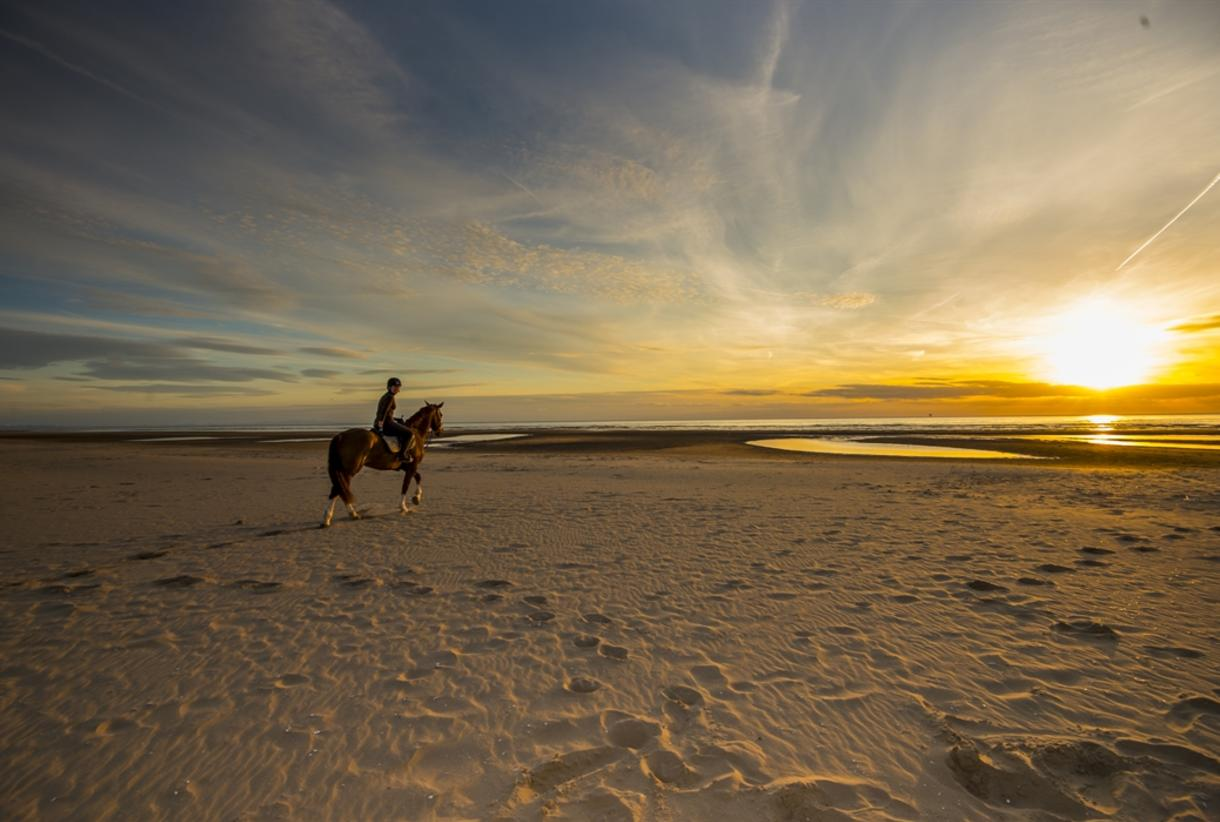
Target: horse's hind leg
pixel 330 513
pixel 419 489
pixel 406 485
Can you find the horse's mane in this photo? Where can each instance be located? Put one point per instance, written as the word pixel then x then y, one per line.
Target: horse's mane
pixel 415 420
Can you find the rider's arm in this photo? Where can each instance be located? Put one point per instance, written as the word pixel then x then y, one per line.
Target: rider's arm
pixel 385 411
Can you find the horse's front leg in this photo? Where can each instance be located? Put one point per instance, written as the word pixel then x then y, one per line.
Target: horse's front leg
pixel 419 489
pixel 406 486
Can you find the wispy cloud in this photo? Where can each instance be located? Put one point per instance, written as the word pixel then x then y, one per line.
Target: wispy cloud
pixel 332 351
pixel 751 392
pixel 178 390
pixel 1007 390
pixel 1199 325
pixel 230 346
pixel 950 389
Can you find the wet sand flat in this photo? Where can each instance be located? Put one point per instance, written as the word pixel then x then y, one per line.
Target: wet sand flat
pixel 692 629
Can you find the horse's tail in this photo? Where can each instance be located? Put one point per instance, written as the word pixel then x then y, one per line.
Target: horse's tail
pixel 340 481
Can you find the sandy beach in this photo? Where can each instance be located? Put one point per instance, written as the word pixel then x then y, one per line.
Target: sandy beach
pixel 606 628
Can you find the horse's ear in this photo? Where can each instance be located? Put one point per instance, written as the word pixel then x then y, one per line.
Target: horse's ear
pixel 442 405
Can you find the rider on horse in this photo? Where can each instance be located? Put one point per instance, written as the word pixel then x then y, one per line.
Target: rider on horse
pixel 385 424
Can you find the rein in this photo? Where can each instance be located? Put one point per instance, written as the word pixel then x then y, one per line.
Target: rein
pixel 421 426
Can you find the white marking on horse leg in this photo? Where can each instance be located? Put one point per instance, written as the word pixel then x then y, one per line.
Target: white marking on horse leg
pixel 419 492
pixel 330 513
pixel 351 511
pixel 403 506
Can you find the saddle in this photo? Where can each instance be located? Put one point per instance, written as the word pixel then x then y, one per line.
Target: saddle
pixel 393 442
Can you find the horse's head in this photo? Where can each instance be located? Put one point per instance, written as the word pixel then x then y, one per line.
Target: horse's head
pixel 437 423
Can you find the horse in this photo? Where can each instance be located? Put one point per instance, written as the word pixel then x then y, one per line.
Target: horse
pixel 358 448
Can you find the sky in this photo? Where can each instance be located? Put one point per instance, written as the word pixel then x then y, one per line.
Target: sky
pixel 257 211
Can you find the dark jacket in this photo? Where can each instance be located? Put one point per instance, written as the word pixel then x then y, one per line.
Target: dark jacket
pixel 385 413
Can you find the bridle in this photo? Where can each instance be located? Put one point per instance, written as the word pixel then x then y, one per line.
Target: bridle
pixel 434 426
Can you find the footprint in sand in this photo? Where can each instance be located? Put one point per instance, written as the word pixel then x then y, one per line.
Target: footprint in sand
pixel 1033 581
pixel 1091 563
pixel 493 583
pixel 905 599
pixel 1086 629
pixel 291 680
pixel 562 769
pixel 1173 651
pixel 539 617
pixel 582 685
pixel 148 555
pixel 708 675
pixel 1096 551
pixel 632 733
pixel 491 598
pixel 180 581
pixel 683 696
pixel 667 767
pixel 980 774
pixel 1052 568
pixel 984 585
pixel 258 586
pixel 351 580
pixel 1186 712
pixel 586 641
pixel 844 630
pixel 613 652
pixel 535 600
pixel 597 619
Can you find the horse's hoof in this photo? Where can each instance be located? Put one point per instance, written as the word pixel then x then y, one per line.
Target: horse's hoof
pixel 324 525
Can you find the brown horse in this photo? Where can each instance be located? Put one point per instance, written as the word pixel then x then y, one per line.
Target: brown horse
pixel 358 448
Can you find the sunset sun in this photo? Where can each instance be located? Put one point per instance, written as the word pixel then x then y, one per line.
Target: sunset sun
pixel 1101 344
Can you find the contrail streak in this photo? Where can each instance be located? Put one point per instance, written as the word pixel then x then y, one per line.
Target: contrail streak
pixel 523 188
pixel 1148 242
pixel 81 70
